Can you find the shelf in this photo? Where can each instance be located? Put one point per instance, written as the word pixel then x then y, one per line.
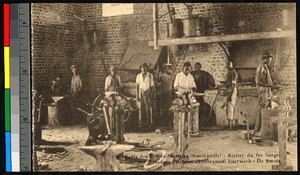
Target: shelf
pixel 225 38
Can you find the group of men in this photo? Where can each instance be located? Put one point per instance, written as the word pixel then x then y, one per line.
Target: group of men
pixel 186 83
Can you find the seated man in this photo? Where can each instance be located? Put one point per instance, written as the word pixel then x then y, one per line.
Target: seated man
pixel 185 83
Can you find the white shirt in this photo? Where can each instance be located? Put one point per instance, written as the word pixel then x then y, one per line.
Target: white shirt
pixel 145 83
pixel 184 81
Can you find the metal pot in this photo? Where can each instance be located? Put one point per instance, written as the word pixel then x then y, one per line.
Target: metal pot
pixel 204 27
pixel 189 26
pixel 175 29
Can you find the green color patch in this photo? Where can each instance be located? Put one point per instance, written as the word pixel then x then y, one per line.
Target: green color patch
pixel 7 110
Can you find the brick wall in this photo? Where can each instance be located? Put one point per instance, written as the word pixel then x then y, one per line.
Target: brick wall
pixel 56 36
pixel 59 38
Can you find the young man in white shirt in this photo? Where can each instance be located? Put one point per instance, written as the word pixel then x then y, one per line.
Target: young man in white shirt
pixel 144 90
pixel 185 83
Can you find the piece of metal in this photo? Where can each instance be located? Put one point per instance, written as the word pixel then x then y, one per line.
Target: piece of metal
pixel 168 58
pixel 78 18
pixel 106 121
pixel 25 89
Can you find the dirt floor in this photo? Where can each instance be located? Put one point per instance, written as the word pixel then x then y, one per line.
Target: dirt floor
pixel 217 150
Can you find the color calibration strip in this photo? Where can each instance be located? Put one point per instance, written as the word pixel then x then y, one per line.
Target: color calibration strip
pixel 15 87
pixel 7 104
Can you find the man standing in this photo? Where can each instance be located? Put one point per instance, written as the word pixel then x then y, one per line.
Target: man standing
pixel 112 84
pixel 185 83
pixel 231 85
pixel 264 86
pixel 144 90
pixel 112 81
pixel 204 81
pixel 76 89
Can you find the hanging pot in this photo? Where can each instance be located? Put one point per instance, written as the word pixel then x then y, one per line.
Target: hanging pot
pixel 175 29
pixel 189 26
pixel 204 27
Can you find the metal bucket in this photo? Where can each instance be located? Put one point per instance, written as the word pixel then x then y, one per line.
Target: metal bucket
pixel 175 29
pixel 190 26
pixel 204 27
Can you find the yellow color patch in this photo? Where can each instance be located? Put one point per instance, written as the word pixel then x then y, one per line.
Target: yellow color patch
pixel 6 68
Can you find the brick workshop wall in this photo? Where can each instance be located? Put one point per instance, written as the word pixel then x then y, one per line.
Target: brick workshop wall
pixel 58 41
pixel 116 33
pixel 56 36
pixel 226 19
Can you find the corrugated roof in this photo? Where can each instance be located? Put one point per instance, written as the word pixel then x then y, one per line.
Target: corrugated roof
pixel 137 53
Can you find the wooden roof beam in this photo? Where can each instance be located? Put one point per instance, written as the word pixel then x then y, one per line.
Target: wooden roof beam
pixel 225 38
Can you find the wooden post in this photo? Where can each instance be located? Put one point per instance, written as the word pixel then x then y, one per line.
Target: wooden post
pixel 188 125
pixel 155 26
pixel 119 125
pixel 283 119
pixel 194 118
pixel 121 121
pixel 175 122
pixel 111 114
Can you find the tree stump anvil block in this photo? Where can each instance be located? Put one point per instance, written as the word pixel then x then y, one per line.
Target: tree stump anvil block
pixel 105 155
pixel 181 125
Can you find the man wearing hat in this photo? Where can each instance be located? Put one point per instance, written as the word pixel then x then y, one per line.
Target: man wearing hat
pixel 144 90
pixel 76 83
pixel 76 87
pixel 264 84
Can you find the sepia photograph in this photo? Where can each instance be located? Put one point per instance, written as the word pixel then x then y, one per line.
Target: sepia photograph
pixel 163 87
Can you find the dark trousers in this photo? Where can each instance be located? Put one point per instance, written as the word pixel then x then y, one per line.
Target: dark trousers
pixel 145 119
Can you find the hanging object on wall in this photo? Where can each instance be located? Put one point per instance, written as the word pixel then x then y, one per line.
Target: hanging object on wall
pixel 194 25
pixel 191 23
pixel 174 26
